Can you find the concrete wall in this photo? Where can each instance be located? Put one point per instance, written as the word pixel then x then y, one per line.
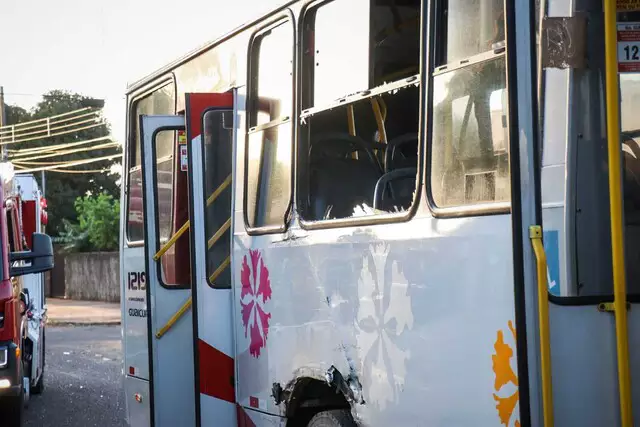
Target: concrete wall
pixel 92 276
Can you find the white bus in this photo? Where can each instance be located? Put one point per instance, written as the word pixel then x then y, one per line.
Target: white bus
pixel 333 216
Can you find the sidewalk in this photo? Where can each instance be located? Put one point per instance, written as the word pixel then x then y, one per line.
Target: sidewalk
pixel 70 312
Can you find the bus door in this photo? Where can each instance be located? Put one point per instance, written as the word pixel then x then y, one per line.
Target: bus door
pixel 167 257
pixel 210 124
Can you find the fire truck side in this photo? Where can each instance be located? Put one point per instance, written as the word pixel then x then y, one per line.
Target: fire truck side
pixel 24 260
pixel 33 219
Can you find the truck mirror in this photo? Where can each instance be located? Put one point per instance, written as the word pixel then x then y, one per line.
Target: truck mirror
pixel 40 257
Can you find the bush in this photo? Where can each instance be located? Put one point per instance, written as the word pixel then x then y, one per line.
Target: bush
pixel 98 225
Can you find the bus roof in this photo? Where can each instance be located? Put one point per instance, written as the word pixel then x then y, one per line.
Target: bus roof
pixel 195 53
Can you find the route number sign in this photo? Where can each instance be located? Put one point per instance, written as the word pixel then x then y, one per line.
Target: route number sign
pixel 629 47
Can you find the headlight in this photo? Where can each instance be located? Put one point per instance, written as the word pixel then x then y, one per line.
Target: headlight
pixel 1 320
pixel 4 351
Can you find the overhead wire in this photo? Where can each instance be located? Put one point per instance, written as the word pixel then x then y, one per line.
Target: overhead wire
pixel 22 152
pixel 65 152
pixel 50 163
pixel 46 123
pixel 71 171
pixel 45 133
pixel 68 113
pixel 57 125
pixel 71 163
pixel 52 135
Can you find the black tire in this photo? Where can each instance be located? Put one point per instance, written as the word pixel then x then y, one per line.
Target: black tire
pixel 333 418
pixel 12 411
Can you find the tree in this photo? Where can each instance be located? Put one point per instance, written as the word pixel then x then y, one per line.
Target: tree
pixel 16 115
pixel 61 188
pixel 98 224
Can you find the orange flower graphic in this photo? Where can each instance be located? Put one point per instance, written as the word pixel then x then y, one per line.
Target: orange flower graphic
pixel 505 375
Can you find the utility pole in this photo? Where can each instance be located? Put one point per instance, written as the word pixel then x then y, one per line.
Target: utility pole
pixel 3 121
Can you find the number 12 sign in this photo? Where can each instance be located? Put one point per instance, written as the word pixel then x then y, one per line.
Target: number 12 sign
pixel 629 47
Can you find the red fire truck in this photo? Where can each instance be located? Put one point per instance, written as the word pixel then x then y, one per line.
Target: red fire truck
pixel 25 254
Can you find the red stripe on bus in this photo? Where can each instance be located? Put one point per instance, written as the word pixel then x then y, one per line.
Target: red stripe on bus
pixel 243 418
pixel 199 102
pixel 216 373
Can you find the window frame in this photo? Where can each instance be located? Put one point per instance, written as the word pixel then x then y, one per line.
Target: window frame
pixel 439 36
pixel 129 152
pixel 285 18
pixel 424 90
pixel 158 245
pixel 205 195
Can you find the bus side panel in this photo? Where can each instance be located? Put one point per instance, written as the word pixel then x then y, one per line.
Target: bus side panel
pixel 137 401
pixel 251 418
pixel 134 316
pixel 418 318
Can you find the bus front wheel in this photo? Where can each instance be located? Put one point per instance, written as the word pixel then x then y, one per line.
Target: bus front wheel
pixel 333 418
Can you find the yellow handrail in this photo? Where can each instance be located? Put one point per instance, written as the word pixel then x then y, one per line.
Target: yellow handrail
pixel 377 112
pixel 220 269
pixel 615 208
pixel 219 190
pixel 351 119
pixel 535 234
pixel 174 319
pixel 186 225
pixel 171 241
pixel 219 233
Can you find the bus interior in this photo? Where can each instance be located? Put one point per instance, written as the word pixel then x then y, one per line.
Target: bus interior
pixel 358 145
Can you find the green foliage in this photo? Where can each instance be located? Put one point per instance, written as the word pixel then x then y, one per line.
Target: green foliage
pixel 74 239
pixel 16 115
pixel 98 224
pixel 62 188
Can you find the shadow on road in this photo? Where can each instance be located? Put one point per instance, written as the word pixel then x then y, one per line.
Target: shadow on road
pixel 83 379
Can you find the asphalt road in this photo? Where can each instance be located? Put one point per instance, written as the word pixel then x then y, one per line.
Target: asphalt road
pixel 83 379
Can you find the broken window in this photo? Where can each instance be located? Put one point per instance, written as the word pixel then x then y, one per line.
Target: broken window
pixel 359 137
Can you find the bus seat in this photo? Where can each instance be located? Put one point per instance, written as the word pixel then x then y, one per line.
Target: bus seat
pixel 402 152
pixel 394 190
pixel 338 182
pixel 337 186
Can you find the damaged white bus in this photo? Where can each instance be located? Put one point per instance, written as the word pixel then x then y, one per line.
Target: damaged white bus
pixel 334 215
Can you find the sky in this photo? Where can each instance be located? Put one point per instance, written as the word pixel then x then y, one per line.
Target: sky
pixel 96 48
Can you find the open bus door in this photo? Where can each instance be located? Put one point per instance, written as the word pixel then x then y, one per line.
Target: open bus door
pixel 210 131
pixel 168 274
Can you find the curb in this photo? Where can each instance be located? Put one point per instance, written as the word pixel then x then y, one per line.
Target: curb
pixel 83 323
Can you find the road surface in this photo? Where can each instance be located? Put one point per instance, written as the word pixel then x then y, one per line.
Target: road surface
pixel 83 379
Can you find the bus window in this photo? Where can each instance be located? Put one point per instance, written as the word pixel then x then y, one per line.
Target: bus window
pixel 218 131
pixel 359 151
pixel 630 144
pixel 161 101
pixel 269 143
pixel 469 150
pixel 172 210
pixel 271 76
pixel 470 28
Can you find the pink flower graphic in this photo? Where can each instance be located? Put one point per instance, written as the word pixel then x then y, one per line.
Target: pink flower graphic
pixel 256 290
